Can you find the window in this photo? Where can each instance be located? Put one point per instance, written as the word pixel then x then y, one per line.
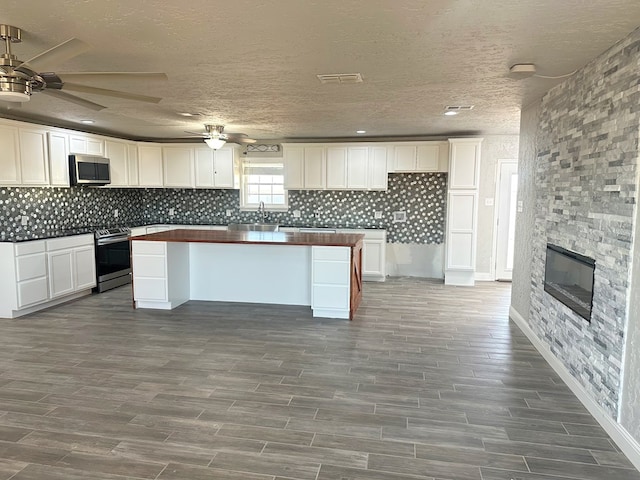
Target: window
pixel 263 181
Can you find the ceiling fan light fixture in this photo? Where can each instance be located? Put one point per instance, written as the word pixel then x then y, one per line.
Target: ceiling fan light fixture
pixel 16 90
pixel 215 143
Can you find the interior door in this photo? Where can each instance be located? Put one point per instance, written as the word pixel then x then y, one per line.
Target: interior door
pixel 506 209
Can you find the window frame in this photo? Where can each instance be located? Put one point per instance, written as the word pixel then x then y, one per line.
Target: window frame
pixel 252 207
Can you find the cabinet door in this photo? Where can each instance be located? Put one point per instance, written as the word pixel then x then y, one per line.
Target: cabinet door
pixel 293 168
pixel 34 157
pixel 405 158
pixel 464 164
pixel 85 267
pixel 178 166
pixel 336 167
pixel 95 146
pixel 315 168
pixel 132 164
pixel 357 160
pixel 373 257
pixel 117 153
pixel 223 168
pixel 10 157
pixel 77 144
pixel 204 167
pixel 150 166
pixel 378 175
pixel 61 272
pixel 428 158
pixel 58 159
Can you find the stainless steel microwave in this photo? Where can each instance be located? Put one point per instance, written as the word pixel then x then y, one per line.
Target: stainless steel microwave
pixel 89 170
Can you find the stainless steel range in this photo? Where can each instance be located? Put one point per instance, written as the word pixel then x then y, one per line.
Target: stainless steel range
pixel 113 258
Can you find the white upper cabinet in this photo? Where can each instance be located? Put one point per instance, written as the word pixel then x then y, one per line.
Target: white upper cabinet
pixel 58 158
pixel 293 167
pixel 357 167
pixel 378 174
pixel 204 167
pixel 118 155
pixel 223 168
pixel 464 169
pixel 178 166
pixel 214 169
pixel 34 156
pixel 336 168
pixel 315 171
pixel 132 156
pixel 150 165
pixel 419 157
pixel 10 157
pixel 85 143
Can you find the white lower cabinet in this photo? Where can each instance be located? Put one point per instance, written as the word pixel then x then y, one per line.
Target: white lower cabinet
pixel 330 281
pixel 39 273
pixel 374 253
pixel 72 265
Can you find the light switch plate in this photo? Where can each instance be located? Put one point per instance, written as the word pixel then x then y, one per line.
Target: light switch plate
pixel 116 213
pixel 172 212
pixel 519 206
pixel 229 213
pixel 377 215
pixel 296 214
pixel 488 202
pixel 24 220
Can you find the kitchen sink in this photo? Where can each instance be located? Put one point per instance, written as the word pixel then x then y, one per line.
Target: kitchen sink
pixel 253 227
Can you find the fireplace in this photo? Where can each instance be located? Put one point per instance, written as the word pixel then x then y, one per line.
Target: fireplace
pixel 568 277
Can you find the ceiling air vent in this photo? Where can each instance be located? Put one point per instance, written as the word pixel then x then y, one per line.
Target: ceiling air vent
pixel 340 78
pixel 458 108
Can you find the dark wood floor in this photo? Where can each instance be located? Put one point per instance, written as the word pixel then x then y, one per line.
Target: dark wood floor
pixel 428 382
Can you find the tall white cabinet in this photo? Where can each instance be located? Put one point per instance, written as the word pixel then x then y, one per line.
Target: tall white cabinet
pixel 462 211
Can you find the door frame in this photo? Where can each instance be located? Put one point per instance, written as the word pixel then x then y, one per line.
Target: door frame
pixel 496 210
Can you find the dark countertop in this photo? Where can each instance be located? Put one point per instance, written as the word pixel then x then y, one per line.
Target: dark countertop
pixel 262 238
pixel 44 234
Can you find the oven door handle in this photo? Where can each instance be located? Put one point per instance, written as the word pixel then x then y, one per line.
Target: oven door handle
pixel 109 241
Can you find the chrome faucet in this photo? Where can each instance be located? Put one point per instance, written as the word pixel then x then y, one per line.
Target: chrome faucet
pixel 262 212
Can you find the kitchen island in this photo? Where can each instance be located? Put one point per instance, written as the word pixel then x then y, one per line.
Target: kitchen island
pixel 320 270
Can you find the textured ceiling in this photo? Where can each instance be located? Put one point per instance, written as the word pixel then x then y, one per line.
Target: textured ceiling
pixel 252 64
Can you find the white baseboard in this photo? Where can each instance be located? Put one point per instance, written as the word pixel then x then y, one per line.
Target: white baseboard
pixel 623 439
pixel 484 277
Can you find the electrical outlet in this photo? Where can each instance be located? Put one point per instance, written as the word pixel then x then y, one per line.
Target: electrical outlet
pixel 116 213
pixel 24 220
pixel 229 213
pixel 172 212
pixel 296 214
pixel 377 215
pixel 488 202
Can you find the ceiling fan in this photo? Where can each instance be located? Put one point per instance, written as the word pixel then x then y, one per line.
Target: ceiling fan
pixel 18 79
pixel 215 138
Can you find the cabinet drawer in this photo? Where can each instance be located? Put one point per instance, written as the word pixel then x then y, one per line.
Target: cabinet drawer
pixel 332 253
pixel 149 266
pixel 26 248
pixel 69 242
pixel 142 247
pixel 329 296
pixel 31 266
pixel 31 292
pixel 332 273
pixel 150 289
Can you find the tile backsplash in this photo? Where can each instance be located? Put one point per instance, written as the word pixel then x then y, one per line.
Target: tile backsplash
pixel 421 195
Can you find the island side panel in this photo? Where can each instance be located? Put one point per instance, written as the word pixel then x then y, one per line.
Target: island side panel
pixel 356 279
pixel 331 281
pixel 253 273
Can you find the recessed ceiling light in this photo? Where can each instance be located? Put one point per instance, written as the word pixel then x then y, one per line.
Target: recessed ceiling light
pixel 360 132
pixel 88 122
pixel 450 113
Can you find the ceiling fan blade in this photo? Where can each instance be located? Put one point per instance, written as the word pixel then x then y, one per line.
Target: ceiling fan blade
pixel 75 87
pixel 54 56
pixel 73 99
pixel 88 76
pixel 239 138
pixel 199 134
